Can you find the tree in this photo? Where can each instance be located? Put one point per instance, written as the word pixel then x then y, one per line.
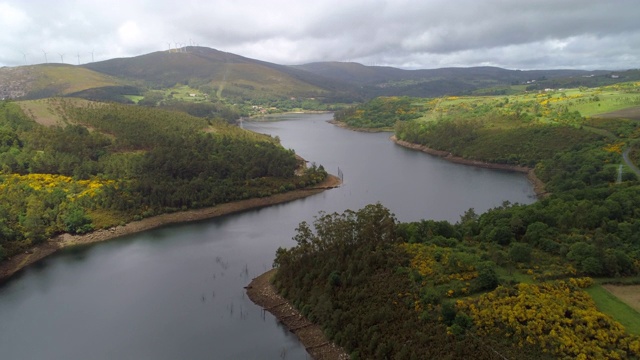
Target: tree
pixel 33 222
pixel 487 278
pixel 76 220
pixel 520 252
pixel 535 232
pixel 501 235
pixel 591 266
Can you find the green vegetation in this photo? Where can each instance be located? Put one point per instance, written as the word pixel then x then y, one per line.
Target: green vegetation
pixel 510 281
pixel 382 112
pixel 350 275
pixel 107 164
pixel 560 107
pixel 447 289
pixel 610 304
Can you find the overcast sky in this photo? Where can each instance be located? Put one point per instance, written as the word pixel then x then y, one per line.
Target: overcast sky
pixel 514 34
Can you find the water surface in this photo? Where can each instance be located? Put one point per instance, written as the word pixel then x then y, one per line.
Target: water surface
pixel 177 292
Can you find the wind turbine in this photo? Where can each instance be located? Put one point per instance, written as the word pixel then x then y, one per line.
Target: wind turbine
pixel 25 58
pixel 169 46
pixel 92 55
pixel 78 58
pixel 45 57
pixel 61 58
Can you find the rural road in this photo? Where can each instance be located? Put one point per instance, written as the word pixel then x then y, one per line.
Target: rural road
pixel 632 166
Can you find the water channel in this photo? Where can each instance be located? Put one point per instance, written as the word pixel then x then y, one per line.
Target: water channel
pixel 177 292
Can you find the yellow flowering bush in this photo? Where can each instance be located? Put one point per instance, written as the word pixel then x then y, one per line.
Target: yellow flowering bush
pixel 615 148
pixel 48 182
pixel 557 316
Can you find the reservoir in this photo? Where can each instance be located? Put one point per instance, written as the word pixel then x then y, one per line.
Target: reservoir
pixel 177 292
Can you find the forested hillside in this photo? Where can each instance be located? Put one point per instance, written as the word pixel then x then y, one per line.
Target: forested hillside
pixel 517 282
pixel 107 164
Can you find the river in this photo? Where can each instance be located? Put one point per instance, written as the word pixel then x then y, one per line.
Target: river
pixel 177 292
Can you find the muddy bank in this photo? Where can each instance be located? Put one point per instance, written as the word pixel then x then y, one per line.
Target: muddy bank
pixel 263 294
pixel 538 185
pixel 17 262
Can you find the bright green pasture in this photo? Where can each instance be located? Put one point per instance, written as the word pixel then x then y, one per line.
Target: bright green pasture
pixel 616 308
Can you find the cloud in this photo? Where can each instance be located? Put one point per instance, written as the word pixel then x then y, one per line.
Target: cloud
pixel 534 34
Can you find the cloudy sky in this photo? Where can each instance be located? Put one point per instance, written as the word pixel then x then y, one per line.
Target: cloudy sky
pixel 514 34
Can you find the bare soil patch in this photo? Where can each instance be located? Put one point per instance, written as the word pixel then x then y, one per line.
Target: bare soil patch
pixel 263 294
pixel 630 294
pixel 632 113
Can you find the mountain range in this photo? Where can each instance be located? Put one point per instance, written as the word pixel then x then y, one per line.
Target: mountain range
pixel 231 76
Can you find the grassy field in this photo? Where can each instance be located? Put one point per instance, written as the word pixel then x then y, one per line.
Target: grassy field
pixel 614 306
pixel 544 106
pixel 185 93
pixel 134 98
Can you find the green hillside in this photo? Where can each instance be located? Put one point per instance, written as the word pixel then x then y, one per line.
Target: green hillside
pixel 223 75
pixel 94 165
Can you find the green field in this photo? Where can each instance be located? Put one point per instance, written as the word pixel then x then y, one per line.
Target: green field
pixel 616 308
pixel 543 106
pixel 185 93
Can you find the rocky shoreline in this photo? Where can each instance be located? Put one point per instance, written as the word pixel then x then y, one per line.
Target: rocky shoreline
pixel 538 185
pixel 263 294
pixel 17 262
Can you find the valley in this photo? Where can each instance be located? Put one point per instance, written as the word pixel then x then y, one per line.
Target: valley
pixel 481 262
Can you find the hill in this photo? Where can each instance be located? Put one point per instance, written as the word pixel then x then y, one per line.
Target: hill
pixel 45 80
pixel 388 81
pixel 225 78
pixel 226 73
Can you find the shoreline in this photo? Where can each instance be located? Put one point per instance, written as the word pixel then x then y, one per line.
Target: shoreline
pixel 262 116
pixel 262 293
pixel 538 185
pixel 17 262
